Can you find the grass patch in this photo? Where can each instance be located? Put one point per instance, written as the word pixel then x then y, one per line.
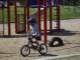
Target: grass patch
pixel 67 12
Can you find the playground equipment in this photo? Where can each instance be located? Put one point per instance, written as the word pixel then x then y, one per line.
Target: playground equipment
pixel 1 18
pixel 25 15
pixel 8 14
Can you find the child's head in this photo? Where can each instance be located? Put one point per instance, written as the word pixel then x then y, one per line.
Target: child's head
pixel 41 13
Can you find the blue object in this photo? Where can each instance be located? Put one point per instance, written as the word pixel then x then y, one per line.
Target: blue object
pixel 33 3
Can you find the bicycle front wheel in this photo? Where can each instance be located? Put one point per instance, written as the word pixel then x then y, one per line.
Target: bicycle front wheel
pixel 25 50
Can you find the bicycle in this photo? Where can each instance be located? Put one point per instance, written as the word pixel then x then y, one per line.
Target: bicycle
pixel 33 44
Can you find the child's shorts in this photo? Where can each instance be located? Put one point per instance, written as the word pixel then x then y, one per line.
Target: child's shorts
pixel 37 36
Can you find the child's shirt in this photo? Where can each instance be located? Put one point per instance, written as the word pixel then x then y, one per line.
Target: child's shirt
pixel 32 21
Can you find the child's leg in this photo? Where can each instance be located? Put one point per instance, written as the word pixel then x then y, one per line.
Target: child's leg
pixel 35 32
pixel 34 28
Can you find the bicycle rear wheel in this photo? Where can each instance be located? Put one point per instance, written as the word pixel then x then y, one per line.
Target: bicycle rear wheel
pixel 43 49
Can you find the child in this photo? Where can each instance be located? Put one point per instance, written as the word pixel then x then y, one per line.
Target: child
pixel 33 23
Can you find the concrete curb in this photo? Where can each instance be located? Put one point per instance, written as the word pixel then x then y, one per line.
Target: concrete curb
pixel 62 57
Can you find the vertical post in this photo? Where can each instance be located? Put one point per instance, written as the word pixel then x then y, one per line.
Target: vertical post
pixel 39 16
pixel 58 15
pixel 15 15
pixel 3 15
pixel 27 14
pixel 51 11
pixel 8 14
pixel 45 23
pixel 2 10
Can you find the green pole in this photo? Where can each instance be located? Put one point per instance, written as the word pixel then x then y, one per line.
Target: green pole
pixel 3 15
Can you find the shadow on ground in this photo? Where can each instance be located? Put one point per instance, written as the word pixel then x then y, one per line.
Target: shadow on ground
pixel 13 36
pixel 53 32
pixel 48 55
pixel 6 53
pixel 38 55
pixel 62 32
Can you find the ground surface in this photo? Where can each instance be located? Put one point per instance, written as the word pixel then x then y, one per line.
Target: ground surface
pixel 10 47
